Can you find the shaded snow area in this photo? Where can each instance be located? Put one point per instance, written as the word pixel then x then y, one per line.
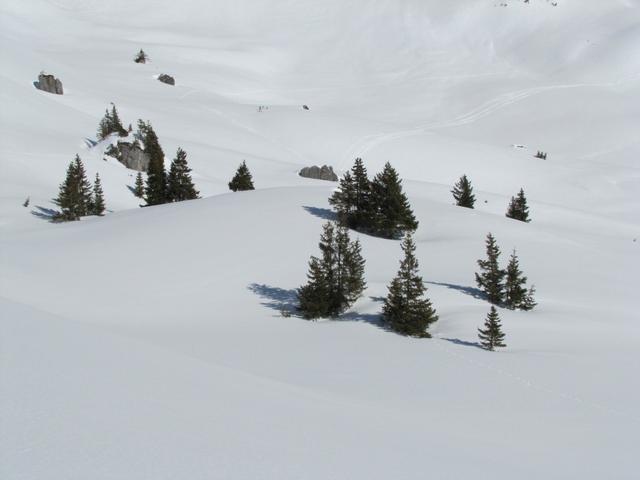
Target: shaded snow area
pixel 150 343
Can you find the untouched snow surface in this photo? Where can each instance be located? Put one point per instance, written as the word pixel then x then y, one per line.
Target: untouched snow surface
pixel 149 344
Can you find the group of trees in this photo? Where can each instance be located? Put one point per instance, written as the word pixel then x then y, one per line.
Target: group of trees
pixel 377 207
pixel 77 197
pixel 111 123
pixel 504 286
pixel 161 187
pixel 336 281
pixel 464 197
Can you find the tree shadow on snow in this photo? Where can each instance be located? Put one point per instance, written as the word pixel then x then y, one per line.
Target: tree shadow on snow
pixel 48 214
pixel 464 343
pixel 279 299
pixel 471 291
pixel 323 213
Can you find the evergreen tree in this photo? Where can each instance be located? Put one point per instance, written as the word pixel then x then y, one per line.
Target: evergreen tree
pixel 528 302
pixel 242 180
pixel 362 205
pixel 156 187
pixel 490 280
pixel 336 279
pixel 75 196
pixel 141 57
pixel 111 123
pixel 180 186
pixel 405 309
pixel 343 199
pixel 98 205
pixel 514 290
pixel 463 193
pixel 518 209
pixel 392 213
pixel 139 189
pixel 491 337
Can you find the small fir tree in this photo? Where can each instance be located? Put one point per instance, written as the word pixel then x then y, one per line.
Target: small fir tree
pixel 98 204
pixel 518 209
pixel 111 123
pixel 514 285
pixel 529 303
pixel 141 57
pixel 156 186
pixel 242 180
pixel 343 199
pixel 392 213
pixel 336 278
pixel 463 193
pixel 405 309
pixel 491 278
pixel 75 195
pixel 491 337
pixel 180 185
pixel 139 188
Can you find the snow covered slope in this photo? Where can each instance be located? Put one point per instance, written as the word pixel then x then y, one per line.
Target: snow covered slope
pixel 149 343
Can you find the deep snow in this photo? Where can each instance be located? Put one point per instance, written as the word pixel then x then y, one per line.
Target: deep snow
pixel 149 343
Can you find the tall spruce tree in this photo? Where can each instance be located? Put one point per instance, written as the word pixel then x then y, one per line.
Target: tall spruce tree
pixel 514 290
pixel 492 337
pixel 75 195
pixel 180 185
pixel 139 187
pixel 392 213
pixel 336 278
pixel 352 199
pixel 491 278
pixel 518 209
pixel 463 193
pixel 242 180
pixel 406 310
pixel 343 199
pixel 98 205
pixel 156 186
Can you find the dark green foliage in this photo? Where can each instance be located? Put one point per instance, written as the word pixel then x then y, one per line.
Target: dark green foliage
pixel 343 200
pixel 242 180
pixel 391 212
pixel 463 193
pixel 141 57
pixel 492 336
pixel 518 209
pixel 405 310
pixel 336 279
pixel 491 279
pixel 529 302
pixel 352 199
pixel 514 286
pixel 75 196
pixel 111 123
pixel 26 202
pixel 156 187
pixel 180 185
pixel 139 188
pixel 97 205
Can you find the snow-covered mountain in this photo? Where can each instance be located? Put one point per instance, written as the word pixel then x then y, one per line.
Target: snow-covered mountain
pixel 149 344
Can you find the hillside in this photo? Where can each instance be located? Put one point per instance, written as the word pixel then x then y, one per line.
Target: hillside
pixel 149 343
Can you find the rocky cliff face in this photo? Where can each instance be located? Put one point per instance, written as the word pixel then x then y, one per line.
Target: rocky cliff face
pixel 49 83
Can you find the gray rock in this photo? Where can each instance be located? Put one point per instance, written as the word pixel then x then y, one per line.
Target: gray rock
pixel 319 173
pixel 131 155
pixel 49 83
pixel 168 79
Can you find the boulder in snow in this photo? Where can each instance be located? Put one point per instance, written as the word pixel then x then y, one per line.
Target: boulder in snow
pixel 168 79
pixel 319 173
pixel 49 83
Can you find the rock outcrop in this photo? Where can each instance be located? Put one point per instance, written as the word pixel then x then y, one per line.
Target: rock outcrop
pixel 168 79
pixel 130 154
pixel 49 83
pixel 319 173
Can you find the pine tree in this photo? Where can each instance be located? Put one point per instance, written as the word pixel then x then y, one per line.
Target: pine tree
pixel 528 302
pixel 405 310
pixel 518 209
pixel 343 199
pixel 156 187
pixel 98 205
pixel 491 337
pixel 492 276
pixel 139 188
pixel 514 290
pixel 111 123
pixel 116 124
pixel 336 279
pixel 75 196
pixel 141 57
pixel 362 205
pixel 242 180
pixel 392 213
pixel 104 127
pixel 180 185
pixel 463 193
